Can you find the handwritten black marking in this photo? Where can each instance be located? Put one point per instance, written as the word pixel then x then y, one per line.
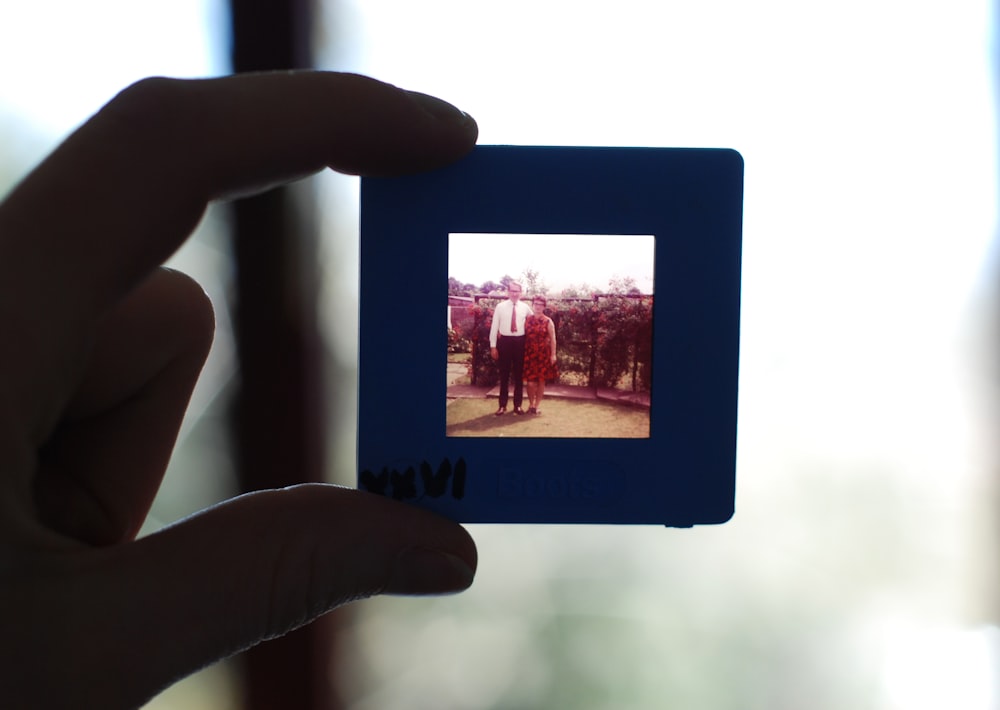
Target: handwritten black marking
pixel 403 485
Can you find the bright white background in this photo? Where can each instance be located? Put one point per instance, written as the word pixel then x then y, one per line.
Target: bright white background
pixel 560 260
pixel 859 570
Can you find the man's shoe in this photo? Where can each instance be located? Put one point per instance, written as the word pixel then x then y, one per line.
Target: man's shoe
pixel 500 411
pixel 518 411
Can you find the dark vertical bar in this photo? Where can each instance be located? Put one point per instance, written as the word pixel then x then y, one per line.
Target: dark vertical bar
pixel 278 415
pixel 271 35
pixel 592 321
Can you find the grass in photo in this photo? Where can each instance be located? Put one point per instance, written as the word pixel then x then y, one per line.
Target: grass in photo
pixel 559 418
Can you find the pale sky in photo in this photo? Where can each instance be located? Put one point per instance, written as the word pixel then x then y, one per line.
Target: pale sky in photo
pixel 561 260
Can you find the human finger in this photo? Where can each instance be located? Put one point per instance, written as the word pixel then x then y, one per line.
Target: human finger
pixel 251 569
pixel 98 473
pixel 119 196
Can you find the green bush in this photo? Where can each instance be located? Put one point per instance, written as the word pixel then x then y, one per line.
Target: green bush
pixel 605 342
pixel 575 323
pixel 457 342
pixel 624 342
pixel 484 368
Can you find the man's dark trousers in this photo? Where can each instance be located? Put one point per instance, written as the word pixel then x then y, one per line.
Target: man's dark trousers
pixel 510 361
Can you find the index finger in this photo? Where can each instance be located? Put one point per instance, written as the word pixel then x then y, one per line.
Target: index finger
pixel 122 193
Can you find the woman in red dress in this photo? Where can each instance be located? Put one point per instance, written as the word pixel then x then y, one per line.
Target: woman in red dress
pixel 539 353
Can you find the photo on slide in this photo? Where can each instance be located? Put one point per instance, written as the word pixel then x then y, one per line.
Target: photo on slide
pixel 549 335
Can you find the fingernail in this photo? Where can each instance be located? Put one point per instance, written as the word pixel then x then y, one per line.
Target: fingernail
pixel 442 110
pixel 419 570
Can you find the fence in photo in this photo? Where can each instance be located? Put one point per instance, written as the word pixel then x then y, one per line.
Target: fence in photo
pixel 604 341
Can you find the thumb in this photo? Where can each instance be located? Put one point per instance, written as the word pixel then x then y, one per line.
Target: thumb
pixel 257 567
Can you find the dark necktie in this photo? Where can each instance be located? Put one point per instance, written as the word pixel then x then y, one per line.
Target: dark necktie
pixel 513 318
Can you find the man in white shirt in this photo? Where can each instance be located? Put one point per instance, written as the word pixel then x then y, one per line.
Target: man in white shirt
pixel 507 345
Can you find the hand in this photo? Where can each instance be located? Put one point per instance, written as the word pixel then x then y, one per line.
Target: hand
pixel 100 350
pixel 494 353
